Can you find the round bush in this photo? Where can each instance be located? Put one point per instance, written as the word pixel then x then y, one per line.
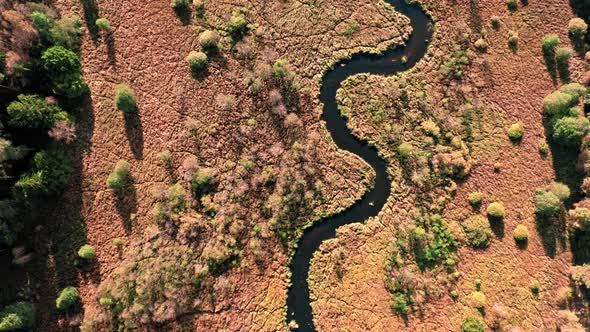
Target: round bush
pixel 557 103
pixel 560 190
pixel 550 42
pixel 577 28
pixel 478 232
pixel 68 297
pixel 563 55
pixel 481 45
pixel 576 90
pixel 546 203
pixel 512 5
pixel 473 325
pixel 87 252
pixel 495 20
pixel 405 149
pixel 521 234
pixel 197 60
pixel 179 4
pixel 33 112
pixel 17 316
pixel 125 99
pixel 59 61
pixel 106 301
pixel 50 174
pixel 118 178
pixel 496 210
pixel 237 26
pixel 477 300
pixel 475 198
pixel 209 39
pixel 103 24
pixel 513 40
pixel 515 132
pixel 569 131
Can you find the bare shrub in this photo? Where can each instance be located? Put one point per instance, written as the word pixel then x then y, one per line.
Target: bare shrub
pixel 225 102
pixel 63 131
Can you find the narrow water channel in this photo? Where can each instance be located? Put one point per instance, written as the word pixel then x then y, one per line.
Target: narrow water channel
pixel 388 63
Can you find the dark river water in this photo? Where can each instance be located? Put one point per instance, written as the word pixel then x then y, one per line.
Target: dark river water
pixel 388 63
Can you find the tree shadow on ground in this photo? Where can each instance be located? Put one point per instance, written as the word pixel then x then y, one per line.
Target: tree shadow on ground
pixel 126 203
pixel 90 15
pixel 134 131
pixel 184 15
pixel 551 65
pixel 552 232
pixel 497 226
pixel 564 72
pixel 57 241
pixel 111 50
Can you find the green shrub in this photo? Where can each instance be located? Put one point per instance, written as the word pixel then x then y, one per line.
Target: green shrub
pixel 546 203
pixel 67 298
pixel 513 40
pixel 281 69
pixel 563 56
pixel 577 28
pixel 481 45
pixel 576 90
pixel 543 147
pixel 42 24
pixel 560 190
pixel 87 252
pixel 473 325
pixel 557 103
pixel 495 20
pixel 405 150
pixel 569 131
pixel 579 218
pixel 117 180
pixel 477 300
pixel 17 316
pixel 67 32
pixel 32 111
pixel 535 287
pixel 50 173
pixel 237 26
pixel 512 4
pixel 59 61
pixel 62 68
pixel 103 24
pixel 478 232
pixel 477 284
pixel 496 210
pixel 202 181
pixel 179 4
pixel 521 234
pixel 125 99
pixel 352 27
pixel 550 42
pixel 106 301
pixel 209 40
pixel 197 60
pixel 400 303
pixel 515 132
pixel 475 198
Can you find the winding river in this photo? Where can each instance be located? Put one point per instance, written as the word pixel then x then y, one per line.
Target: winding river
pixel 392 61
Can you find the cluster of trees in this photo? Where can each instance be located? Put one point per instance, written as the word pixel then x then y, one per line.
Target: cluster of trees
pixel 160 280
pixel 50 83
pixel 564 116
pixel 432 247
